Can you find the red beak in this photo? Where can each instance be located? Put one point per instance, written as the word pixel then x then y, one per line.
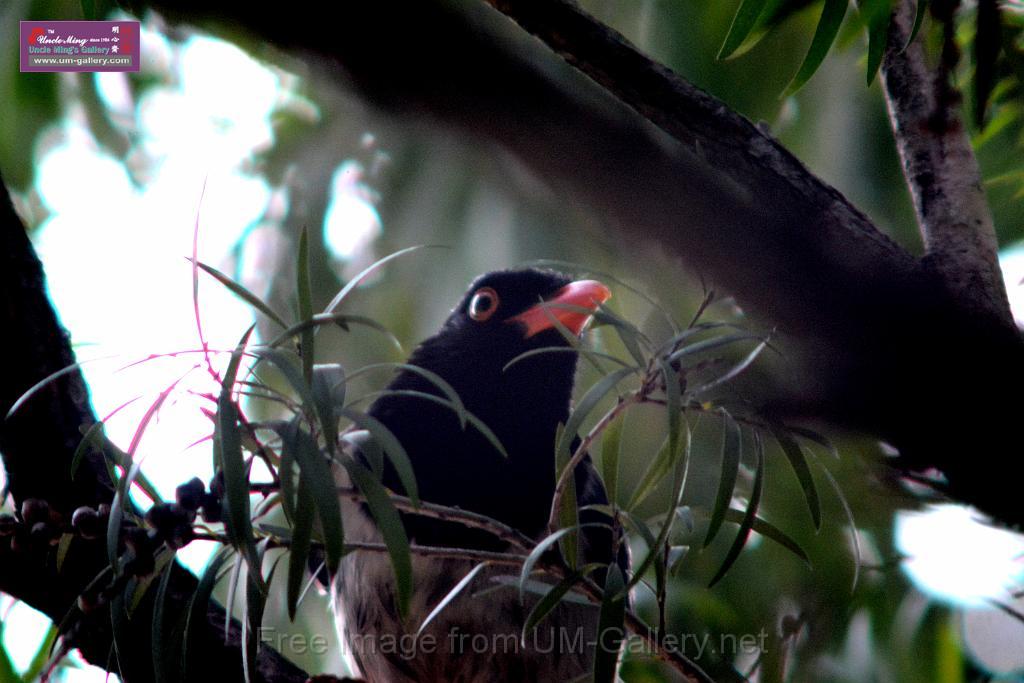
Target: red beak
pixel 564 306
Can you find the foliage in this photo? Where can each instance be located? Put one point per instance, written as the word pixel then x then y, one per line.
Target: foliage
pixel 684 376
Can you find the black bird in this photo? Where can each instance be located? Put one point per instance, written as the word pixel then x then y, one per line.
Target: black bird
pixel 477 637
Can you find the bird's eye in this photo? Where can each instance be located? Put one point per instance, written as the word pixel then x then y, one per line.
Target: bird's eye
pixel 483 304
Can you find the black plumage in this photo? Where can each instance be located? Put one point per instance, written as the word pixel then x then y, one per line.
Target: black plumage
pixel 503 315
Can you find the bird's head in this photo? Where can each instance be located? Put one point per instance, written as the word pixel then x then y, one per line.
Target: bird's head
pixel 503 315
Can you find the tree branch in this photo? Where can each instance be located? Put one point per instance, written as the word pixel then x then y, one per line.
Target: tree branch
pixel 940 167
pixel 37 444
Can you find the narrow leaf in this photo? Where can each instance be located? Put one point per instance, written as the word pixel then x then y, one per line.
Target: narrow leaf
pixel 747 523
pixel 731 447
pixel 298 552
pixel 390 525
pixel 553 597
pixel 452 594
pixel 392 448
pixel 568 349
pixel 476 422
pixel 598 391
pixel 828 27
pixel 611 445
pixel 568 512
pixel 166 644
pixel 542 547
pixel 243 293
pixel 315 473
pixel 798 461
pixel 922 12
pixel 343 320
pixel 610 627
pixel 195 622
pixel 328 387
pixel 770 531
pixel 305 296
pixel 876 17
pixel 710 344
pixel 742 23
pixel 372 268
pixel 735 370
pixel 681 468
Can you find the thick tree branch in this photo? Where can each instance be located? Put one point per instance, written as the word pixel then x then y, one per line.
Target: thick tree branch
pixel 941 169
pixel 37 444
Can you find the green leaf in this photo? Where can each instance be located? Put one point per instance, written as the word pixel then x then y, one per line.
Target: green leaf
pixel 476 422
pixel 95 438
pixel 798 461
pixel 542 547
pixel 342 320
pixel 731 447
pixel 828 27
pixel 610 627
pixel 568 512
pixel 922 12
pixel 452 594
pixel 328 388
pixel 552 598
pixel 734 371
pixel 166 644
pixel 305 296
pixel 119 628
pixel 742 23
pixel 673 403
pixel 749 515
pixel 710 344
pixel 391 528
pixel 848 511
pixel 392 448
pixel 770 531
pixel 435 379
pixel 63 546
pixel 285 361
pixel 611 446
pixel 681 469
pixel 298 552
pixel 92 438
pixel 354 282
pixel 243 293
pixel 628 333
pixel 315 474
pixel 583 408
pixel 196 624
pixel 876 17
pixel 661 465
pixel 568 349
pixel 254 608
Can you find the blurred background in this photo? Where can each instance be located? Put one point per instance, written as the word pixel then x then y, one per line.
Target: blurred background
pixel 240 148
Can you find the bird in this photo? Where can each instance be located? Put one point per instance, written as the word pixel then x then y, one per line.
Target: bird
pixel 476 637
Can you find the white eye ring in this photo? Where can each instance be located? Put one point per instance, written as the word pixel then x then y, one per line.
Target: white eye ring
pixel 483 304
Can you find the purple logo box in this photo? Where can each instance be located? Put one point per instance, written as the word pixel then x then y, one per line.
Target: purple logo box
pixel 79 45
